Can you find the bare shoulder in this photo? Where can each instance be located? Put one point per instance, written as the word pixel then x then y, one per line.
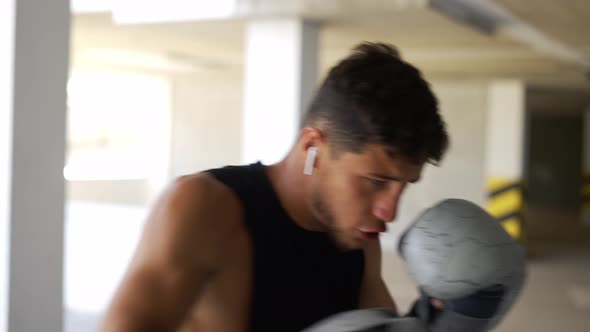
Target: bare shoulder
pixel 197 218
pixel 202 194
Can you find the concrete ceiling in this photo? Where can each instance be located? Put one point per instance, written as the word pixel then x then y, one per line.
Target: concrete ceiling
pixel 439 45
pixel 565 20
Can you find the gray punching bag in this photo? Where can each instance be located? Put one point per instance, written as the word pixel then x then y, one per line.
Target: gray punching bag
pixel 368 320
pixel 456 252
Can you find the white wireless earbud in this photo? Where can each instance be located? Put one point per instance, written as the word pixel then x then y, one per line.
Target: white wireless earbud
pixel 310 160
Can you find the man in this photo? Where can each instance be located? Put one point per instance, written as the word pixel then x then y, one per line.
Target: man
pixel 279 247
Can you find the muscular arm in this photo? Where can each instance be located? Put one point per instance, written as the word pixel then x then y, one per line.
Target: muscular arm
pixel 374 292
pixel 178 254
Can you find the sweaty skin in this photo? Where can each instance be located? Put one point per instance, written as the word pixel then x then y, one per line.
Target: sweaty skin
pixel 192 270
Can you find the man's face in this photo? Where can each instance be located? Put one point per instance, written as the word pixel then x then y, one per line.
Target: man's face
pixel 355 195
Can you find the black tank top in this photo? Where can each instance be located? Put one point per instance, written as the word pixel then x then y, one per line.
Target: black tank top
pixel 300 276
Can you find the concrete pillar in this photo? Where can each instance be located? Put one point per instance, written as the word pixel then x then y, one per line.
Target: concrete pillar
pixel 586 169
pixel 280 77
pixel 34 49
pixel 7 9
pixel 505 154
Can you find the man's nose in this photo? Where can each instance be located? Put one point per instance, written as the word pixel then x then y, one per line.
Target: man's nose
pixel 385 209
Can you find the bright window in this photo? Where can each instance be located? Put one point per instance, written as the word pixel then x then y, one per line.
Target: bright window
pixel 118 126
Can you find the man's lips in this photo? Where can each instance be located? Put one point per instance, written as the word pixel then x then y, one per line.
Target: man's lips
pixel 373 228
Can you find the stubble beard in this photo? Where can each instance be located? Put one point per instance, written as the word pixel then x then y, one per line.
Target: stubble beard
pixel 327 219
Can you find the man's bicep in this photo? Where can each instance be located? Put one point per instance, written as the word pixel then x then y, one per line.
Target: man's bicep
pixel 175 258
pixel 374 292
pixel 153 298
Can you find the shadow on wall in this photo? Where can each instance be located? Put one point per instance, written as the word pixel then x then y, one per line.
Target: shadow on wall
pixel 553 176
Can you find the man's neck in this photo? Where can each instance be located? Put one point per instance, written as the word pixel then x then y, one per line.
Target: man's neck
pixel 292 189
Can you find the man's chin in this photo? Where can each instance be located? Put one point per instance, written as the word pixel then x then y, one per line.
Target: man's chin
pixel 350 244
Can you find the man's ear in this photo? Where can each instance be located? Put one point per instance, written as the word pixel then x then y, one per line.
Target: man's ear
pixel 310 137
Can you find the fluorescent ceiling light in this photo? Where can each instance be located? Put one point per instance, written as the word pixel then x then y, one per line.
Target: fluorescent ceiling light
pixel 91 6
pixel 158 11
pixel 136 59
pixel 489 17
pixel 477 13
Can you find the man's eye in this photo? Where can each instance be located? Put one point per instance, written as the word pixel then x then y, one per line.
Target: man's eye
pixel 377 182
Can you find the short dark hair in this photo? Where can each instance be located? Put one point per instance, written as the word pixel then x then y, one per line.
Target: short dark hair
pixel 373 96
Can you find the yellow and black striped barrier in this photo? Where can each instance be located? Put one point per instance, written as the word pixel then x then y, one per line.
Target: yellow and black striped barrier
pixel 505 203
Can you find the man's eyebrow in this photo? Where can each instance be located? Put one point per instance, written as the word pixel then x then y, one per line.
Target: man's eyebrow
pixel 392 178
